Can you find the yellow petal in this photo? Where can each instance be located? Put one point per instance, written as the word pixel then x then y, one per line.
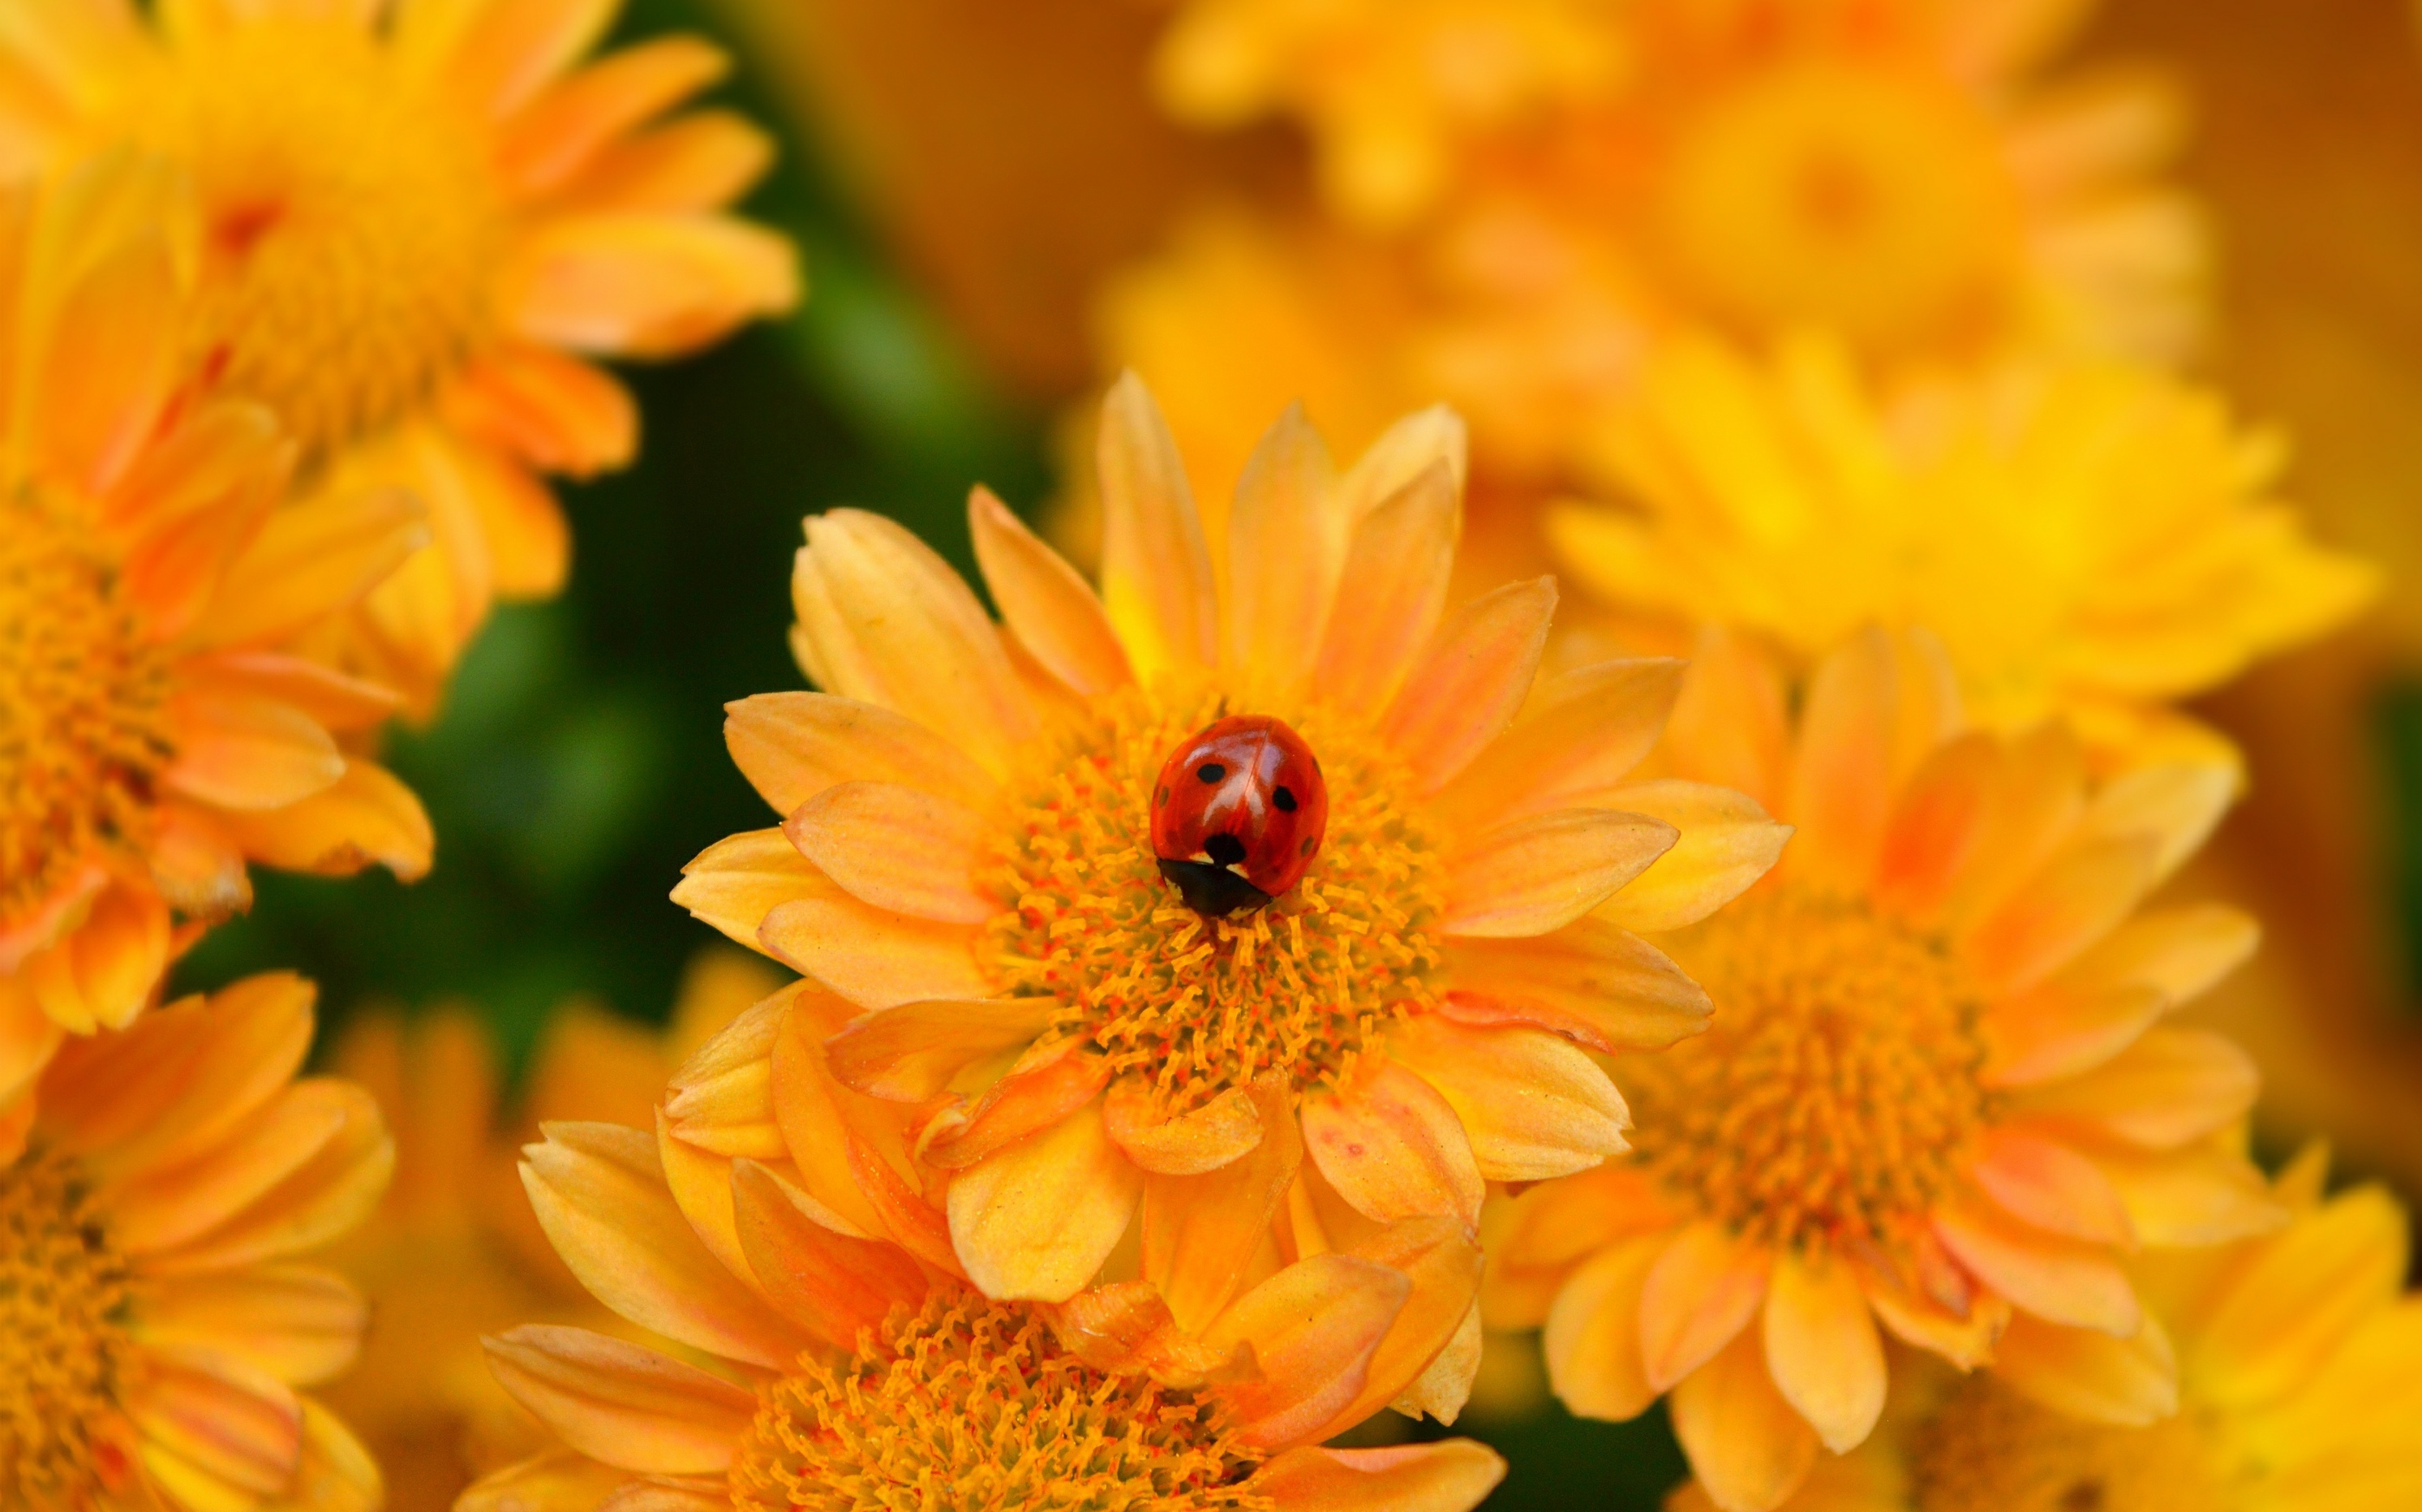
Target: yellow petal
pixel 1189 1143
pixel 874 959
pixel 2077 899
pixel 1750 1449
pixel 366 817
pixel 1156 583
pixel 1700 1295
pixel 1590 981
pixel 1841 785
pixel 2176 806
pixel 792 745
pixel 216 1422
pixel 547 142
pixel 1313 1329
pixel 1726 842
pixel 1038 1219
pixel 830 1283
pixel 1426 1362
pixel 312 1203
pixel 910 1053
pixel 2178 951
pixel 1540 873
pixel 1286 543
pixel 2196 1196
pixel 902 849
pixel 169 1206
pixel 1201 1232
pixel 2085 1373
pixel 1532 1107
pixel 1592 1337
pixel 1393 1147
pixel 734 883
pixel 694 163
pixel 1581 733
pixel 1451 1477
pixel 1823 1350
pixel 2042 1181
pixel 1471 681
pixel 301 1325
pixel 309 561
pixel 235 751
pixel 622 1404
pixel 2171 1086
pixel 103 973
pixel 2060 1281
pixel 1730 725
pixel 2060 1030
pixel 2298 1299
pixel 1390 592
pixel 1045 604
pixel 555 1481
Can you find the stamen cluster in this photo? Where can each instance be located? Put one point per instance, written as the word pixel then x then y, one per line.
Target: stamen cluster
pixel 63 1341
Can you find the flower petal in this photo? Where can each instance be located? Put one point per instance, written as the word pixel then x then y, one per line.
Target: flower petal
pixel 2040 1180
pixel 1200 1140
pixel 902 849
pixel 309 561
pixel 1700 1295
pixel 736 882
pixel 1051 1083
pixel 2171 1086
pixel 792 745
pixel 1038 1219
pixel 247 752
pixel 2085 1373
pixel 1730 724
pixel 1532 1107
pixel 1823 1350
pixel 1156 583
pixel 1592 1338
pixel 2060 1281
pixel 1596 985
pixel 622 1404
pixel 1286 543
pixel 1540 873
pixel 546 409
pixel 366 817
pixel 2077 899
pixel 1313 1329
pixel 1201 1232
pixel 2199 1195
pixel 1580 733
pixel 1750 1450
pixel 1841 781
pixel 1393 1147
pixel 1450 1476
pixel 1470 682
pixel 2298 1299
pixel 874 959
pixel 634 284
pixel 2060 1030
pixel 547 141
pixel 1390 592
pixel 827 1282
pixel 1043 601
pixel 1428 1359
pixel 910 1053
pixel 1725 844
pixel 2178 951
pixel 299 1324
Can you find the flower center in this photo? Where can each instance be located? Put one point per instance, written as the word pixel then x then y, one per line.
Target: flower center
pixel 974 1404
pixel 1298 986
pixel 1990 1449
pixel 1834 1094
pixel 351 220
pixel 1829 195
pixel 83 695
pixel 63 1341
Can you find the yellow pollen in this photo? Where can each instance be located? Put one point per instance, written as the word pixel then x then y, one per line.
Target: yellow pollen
pixel 1299 985
pixel 1836 1093
pixel 1988 1449
pixel 351 220
pixel 63 1341
pixel 972 1406
pixel 83 695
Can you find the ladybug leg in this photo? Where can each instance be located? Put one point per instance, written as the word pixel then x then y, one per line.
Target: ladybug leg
pixel 1212 890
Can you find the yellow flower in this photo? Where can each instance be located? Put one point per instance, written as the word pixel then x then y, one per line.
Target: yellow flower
pixel 454 1253
pixel 154 1326
pixel 418 220
pixel 1387 91
pixel 846 1375
pixel 2296 1392
pixel 1936 1092
pixel 966 861
pixel 157 728
pixel 2088 542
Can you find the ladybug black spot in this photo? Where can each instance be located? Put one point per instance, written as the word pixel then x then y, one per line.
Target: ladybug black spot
pixel 1162 801
pixel 1305 849
pixel 1210 772
pixel 1285 797
pixel 1224 848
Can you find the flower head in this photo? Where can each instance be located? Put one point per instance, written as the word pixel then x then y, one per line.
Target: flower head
pixel 158 727
pixel 1936 1093
pixel 418 220
pixel 2091 543
pixel 154 1327
pixel 966 861
pixel 2293 1390
pixel 851 1375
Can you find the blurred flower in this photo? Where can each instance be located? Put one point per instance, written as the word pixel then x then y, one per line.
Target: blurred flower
pixel 2091 541
pixel 1936 1090
pixel 454 1253
pixel 2295 1393
pixel 965 857
pixel 870 1378
pixel 155 1327
pixel 157 729
pixel 415 226
pixel 1387 91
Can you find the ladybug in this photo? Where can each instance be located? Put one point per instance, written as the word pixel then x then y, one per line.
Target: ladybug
pixel 1239 814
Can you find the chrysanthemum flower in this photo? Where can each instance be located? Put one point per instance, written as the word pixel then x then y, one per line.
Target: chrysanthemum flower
pixel 1936 1093
pixel 420 219
pixel 157 729
pixel 1389 92
pixel 848 1375
pixel 154 1326
pixel 968 859
pixel 2296 1392
pixel 2088 542
pixel 453 1252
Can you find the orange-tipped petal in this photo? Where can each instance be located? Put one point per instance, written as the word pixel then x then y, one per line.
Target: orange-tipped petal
pixel 1470 682
pixel 212 1425
pixel 1823 1350
pixel 2059 1030
pixel 1596 985
pixel 1045 604
pixel 1038 1219
pixel 1581 734
pixel 1936 826
pixel 1700 1295
pixel 1592 1338
pixel 621 1404
pixel 830 1283
pixel 792 745
pixel 1730 723
pixel 1049 1084
pixel 546 409
pixel 1390 592
pixel 1199 1232
pixel 2060 1281
pixel 1157 581
pixel 1534 1106
pixel 1286 543
pixel 248 752
pixel 1725 844
pixel 1393 1147
pixel 2081 896
pixel 1540 873
pixel 902 849
pixel 910 1053
pixel 2042 1181
pixel 634 284
pixel 2085 1373
pixel 1841 781
pixel 1750 1450
pixel 1313 1328
pixel 1451 1477
pixel 1426 1362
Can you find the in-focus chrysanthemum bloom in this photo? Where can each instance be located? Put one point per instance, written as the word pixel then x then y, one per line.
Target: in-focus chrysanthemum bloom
pixel 1389 92
pixel 1937 1093
pixel 453 1252
pixel 157 728
pixel 852 1375
pixel 967 857
pixel 155 1326
pixel 418 221
pixel 2090 541
pixel 2296 1392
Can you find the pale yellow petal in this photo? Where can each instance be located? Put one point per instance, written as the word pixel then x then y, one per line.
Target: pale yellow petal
pixel 1038 1219
pixel 1156 583
pixel 1540 873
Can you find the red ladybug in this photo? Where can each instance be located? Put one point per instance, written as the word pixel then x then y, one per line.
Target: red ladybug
pixel 1239 814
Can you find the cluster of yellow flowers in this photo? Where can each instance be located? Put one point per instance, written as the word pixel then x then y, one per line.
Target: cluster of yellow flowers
pixel 1228 996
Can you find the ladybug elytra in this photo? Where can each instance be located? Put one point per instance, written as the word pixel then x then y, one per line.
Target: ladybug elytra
pixel 1239 814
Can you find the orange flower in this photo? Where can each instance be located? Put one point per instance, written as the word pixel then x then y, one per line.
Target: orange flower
pixel 844 1372
pixel 155 1327
pixel 966 859
pixel 157 728
pixel 418 219
pixel 1937 1092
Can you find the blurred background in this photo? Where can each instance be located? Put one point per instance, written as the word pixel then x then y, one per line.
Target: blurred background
pixel 964 178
